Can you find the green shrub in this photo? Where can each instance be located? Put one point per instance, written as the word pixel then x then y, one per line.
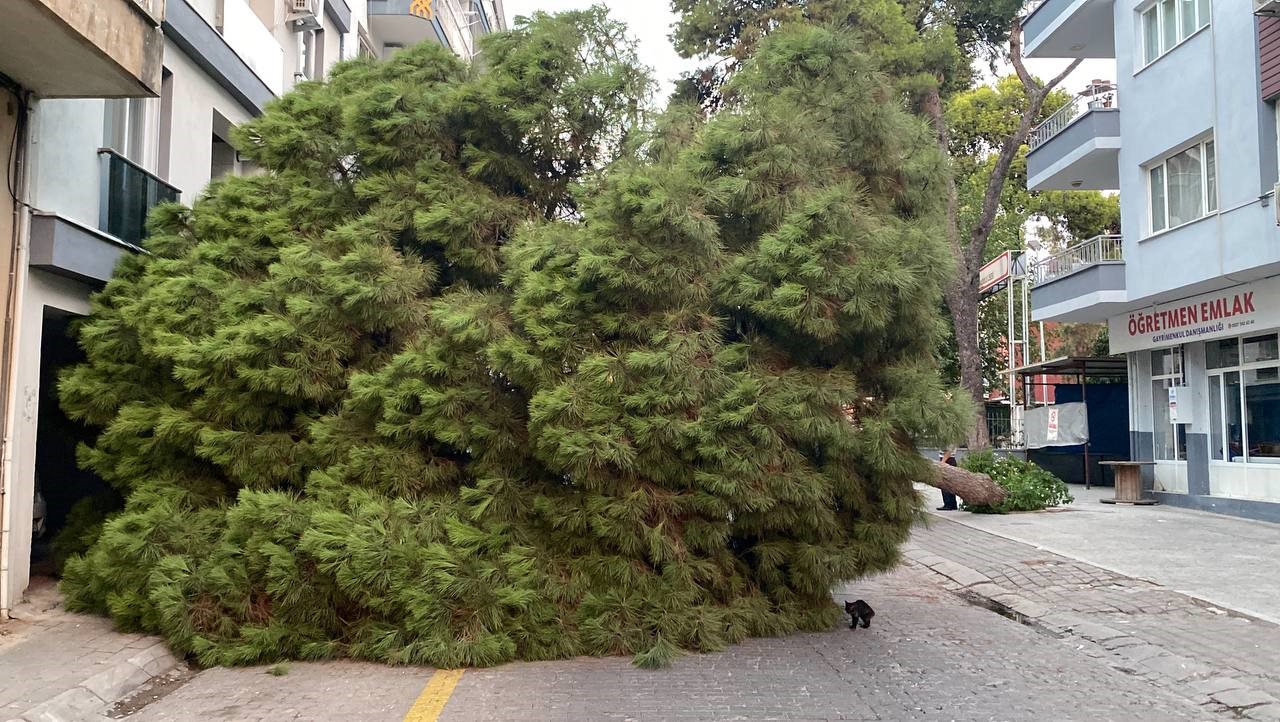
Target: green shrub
pixel 1030 487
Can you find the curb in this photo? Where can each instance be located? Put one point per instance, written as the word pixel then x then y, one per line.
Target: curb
pixel 1202 684
pixel 91 699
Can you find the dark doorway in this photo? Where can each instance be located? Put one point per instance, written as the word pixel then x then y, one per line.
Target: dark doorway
pixel 60 482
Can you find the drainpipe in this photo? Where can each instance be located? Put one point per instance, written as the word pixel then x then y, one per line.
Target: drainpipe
pixel 8 343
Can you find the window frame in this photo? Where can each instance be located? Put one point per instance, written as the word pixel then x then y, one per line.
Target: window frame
pixel 1180 33
pixel 1179 378
pixel 1208 148
pixel 1217 377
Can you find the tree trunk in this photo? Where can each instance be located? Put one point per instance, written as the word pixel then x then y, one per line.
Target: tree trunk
pixel 962 301
pixel 972 488
pixel 962 295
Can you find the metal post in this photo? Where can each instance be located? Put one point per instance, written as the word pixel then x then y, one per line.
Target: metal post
pixel 1084 398
pixel 1011 340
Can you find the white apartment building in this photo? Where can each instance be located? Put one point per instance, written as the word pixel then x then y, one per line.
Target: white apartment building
pixel 108 107
pixel 1191 290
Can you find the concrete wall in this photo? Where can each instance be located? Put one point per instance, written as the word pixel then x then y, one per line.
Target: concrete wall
pixel 41 290
pixel 1205 87
pixel 8 125
pixel 195 98
pixel 66 176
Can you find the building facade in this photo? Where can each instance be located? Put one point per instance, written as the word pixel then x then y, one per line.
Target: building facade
pixel 1191 289
pixel 106 109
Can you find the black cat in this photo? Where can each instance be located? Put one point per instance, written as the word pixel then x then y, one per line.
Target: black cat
pixel 859 611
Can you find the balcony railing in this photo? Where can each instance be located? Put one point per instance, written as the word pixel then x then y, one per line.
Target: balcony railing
pixel 1099 249
pixel 1097 96
pixel 129 192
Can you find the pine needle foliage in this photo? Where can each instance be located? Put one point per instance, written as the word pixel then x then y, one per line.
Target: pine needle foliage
pixel 480 368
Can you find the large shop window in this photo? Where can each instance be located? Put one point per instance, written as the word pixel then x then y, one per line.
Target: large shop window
pixel 1183 187
pixel 1168 22
pixel 1244 399
pixel 1170 439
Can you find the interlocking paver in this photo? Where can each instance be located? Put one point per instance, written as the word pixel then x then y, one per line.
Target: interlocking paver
pixel 57 663
pixel 1135 620
pixel 928 655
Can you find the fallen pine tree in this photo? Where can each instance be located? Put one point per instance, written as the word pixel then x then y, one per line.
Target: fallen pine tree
pixel 483 368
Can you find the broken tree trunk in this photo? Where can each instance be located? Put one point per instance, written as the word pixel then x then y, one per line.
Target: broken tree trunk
pixel 973 488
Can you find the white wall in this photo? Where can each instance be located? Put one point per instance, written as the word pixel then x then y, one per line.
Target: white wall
pixel 254 42
pixel 66 176
pixel 42 289
pixel 1206 85
pixel 195 97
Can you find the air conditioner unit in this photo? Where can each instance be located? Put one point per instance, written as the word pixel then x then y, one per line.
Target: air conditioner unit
pixel 305 14
pixel 1266 7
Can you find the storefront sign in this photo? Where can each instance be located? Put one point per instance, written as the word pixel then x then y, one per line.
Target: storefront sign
pixel 1221 314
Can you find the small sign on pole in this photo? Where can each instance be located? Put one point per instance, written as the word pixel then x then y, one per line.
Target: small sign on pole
pixel 995 272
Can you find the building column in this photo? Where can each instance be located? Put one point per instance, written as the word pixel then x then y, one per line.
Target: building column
pixel 1193 367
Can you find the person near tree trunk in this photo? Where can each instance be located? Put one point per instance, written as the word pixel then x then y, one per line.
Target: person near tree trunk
pixel 948 499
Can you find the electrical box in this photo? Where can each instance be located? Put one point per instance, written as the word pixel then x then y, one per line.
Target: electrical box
pixel 1181 407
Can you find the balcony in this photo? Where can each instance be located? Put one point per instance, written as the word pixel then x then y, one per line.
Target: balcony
pixel 129 193
pixel 1070 29
pixel 80 49
pixel 1078 147
pixel 1082 283
pixel 70 249
pixel 402 23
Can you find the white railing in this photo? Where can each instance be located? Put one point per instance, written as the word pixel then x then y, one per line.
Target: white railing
pixel 1099 249
pixel 1097 96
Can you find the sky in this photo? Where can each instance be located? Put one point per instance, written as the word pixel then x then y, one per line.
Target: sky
pixel 650 22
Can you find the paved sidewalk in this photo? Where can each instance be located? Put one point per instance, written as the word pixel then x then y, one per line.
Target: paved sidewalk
pixel 928 655
pixel 55 665
pixel 1205 653
pixel 1232 562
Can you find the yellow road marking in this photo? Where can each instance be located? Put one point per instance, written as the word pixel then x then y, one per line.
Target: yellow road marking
pixel 434 696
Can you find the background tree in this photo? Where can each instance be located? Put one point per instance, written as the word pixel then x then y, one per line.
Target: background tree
pixel 478 370
pixel 978 120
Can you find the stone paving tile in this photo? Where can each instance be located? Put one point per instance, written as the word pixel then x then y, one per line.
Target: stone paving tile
pixel 927 656
pixel 338 691
pixel 47 652
pixel 1124 615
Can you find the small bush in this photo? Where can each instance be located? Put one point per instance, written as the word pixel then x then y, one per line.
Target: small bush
pixel 1030 487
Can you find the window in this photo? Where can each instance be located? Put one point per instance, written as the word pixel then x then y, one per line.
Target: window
pixel 222 155
pixel 124 127
pixel 1170 440
pixel 166 121
pixel 1169 22
pixel 1244 401
pixel 1183 187
pixel 365 49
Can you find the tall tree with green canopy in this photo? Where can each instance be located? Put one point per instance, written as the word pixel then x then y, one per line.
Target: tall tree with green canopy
pixel 978 121
pixel 480 369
